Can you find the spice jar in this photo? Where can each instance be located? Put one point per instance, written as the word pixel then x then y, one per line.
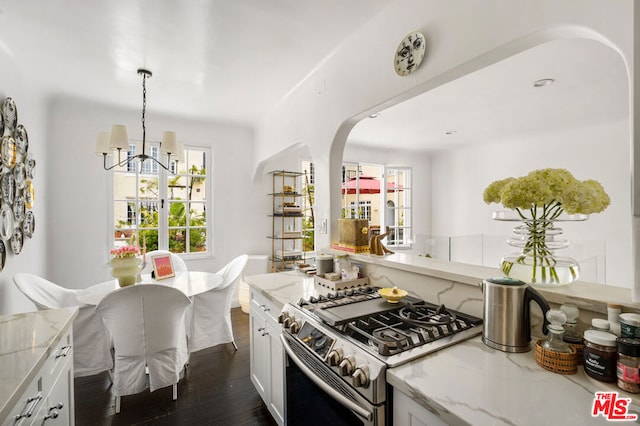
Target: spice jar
pixel 600 324
pixel 628 364
pixel 630 325
pixel 613 316
pixel 600 355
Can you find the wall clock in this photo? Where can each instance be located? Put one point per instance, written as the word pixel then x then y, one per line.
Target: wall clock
pixel 410 53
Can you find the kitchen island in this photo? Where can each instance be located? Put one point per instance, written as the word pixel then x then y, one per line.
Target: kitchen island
pixel 36 367
pixel 468 383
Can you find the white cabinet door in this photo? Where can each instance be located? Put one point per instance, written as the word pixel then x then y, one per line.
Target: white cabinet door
pixel 259 359
pixel 407 412
pixel 277 374
pixel 267 355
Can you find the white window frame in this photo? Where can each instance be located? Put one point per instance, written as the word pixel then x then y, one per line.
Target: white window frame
pixel 407 194
pixel 163 228
pixel 407 240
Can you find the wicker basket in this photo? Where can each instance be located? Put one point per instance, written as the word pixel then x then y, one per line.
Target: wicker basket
pixel 579 352
pixel 557 362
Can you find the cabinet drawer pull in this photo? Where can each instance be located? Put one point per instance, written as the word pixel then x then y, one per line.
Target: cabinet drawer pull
pixel 64 351
pixel 261 329
pixel 52 415
pixel 58 406
pixel 265 334
pixel 32 403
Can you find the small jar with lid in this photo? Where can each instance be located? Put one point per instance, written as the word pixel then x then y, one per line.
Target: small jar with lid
pixel 600 355
pixel 554 341
pixel 613 316
pixel 600 324
pixel 571 333
pixel 630 325
pixel 628 364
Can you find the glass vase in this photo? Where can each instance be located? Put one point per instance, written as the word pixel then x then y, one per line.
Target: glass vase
pixel 538 239
pixel 125 269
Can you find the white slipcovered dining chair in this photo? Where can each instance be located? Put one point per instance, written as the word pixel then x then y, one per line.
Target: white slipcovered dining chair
pixel 147 325
pixel 210 322
pixel 178 263
pixel 91 340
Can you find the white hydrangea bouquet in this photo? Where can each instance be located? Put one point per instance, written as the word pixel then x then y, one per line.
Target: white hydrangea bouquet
pixel 539 199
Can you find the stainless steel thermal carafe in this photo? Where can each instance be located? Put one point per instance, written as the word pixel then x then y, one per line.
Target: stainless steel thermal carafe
pixel 506 314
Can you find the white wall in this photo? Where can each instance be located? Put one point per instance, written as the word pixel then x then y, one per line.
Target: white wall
pixel 592 151
pixel 32 114
pixel 78 239
pixel 462 37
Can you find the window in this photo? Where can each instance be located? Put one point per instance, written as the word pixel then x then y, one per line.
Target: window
pixel 165 211
pixel 363 198
pixel 308 219
pixel 398 207
pixel 363 211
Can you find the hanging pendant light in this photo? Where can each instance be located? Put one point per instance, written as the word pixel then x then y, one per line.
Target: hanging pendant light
pixel 118 140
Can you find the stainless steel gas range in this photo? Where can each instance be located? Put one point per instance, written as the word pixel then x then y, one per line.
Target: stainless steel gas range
pixel 339 347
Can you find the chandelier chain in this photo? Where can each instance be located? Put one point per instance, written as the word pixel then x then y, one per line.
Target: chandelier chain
pixel 144 108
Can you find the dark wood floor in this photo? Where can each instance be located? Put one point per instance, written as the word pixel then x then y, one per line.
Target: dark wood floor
pixel 216 390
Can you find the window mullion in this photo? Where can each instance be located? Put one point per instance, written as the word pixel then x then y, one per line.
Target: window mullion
pixel 163 213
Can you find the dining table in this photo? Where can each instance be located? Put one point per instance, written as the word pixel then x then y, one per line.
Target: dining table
pixel 191 283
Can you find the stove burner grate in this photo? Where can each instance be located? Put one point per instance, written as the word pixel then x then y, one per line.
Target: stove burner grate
pixel 406 328
pixel 425 315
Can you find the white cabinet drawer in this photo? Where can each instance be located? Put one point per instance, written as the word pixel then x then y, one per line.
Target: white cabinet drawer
pixel 57 360
pixel 28 406
pixel 262 304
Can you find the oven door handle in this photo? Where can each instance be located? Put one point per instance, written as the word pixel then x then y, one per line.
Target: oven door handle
pixel 324 386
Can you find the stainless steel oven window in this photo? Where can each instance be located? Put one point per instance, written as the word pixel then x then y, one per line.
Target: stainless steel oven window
pixel 315 395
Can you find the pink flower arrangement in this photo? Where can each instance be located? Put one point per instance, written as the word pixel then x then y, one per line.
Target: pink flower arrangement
pixel 125 251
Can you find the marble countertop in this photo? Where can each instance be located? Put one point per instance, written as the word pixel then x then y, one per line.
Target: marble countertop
pixel 285 287
pixel 470 383
pixel 25 342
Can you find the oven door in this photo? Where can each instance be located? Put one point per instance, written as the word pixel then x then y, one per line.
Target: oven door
pixel 315 394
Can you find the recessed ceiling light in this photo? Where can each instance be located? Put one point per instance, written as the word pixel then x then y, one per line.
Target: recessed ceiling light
pixel 450 132
pixel 543 82
pixel 374 115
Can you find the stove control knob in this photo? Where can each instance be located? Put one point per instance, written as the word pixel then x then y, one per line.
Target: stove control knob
pixel 361 377
pixel 284 315
pixel 295 326
pixel 286 322
pixel 347 366
pixel 335 357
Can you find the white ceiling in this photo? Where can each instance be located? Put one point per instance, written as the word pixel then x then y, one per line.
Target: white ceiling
pixel 214 59
pixel 232 60
pixel 499 102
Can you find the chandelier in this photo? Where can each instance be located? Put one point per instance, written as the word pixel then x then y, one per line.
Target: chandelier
pixel 118 140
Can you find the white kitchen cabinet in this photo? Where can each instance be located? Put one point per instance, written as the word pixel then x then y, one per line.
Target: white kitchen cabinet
pixel 407 412
pixel 49 397
pixel 267 360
